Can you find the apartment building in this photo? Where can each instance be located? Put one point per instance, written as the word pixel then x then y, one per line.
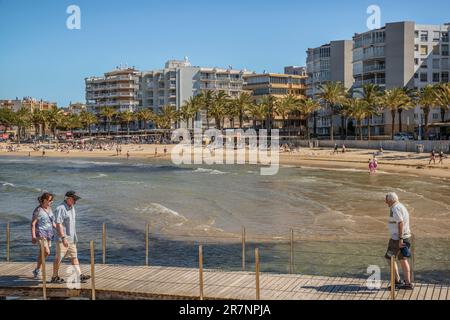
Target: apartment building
pixel 29 103
pixel 295 70
pixel 401 54
pixel 117 89
pixel 179 81
pixel 328 63
pixel 279 86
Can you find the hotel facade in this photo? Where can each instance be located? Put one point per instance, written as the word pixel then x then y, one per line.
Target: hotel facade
pixel 328 63
pixel 279 86
pixel 130 89
pixel 401 54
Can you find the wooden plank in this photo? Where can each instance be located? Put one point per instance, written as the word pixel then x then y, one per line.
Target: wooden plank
pixel 430 290
pixel 436 292
pixel 444 293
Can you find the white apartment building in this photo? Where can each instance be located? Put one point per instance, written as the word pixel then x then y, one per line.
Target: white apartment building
pixel 117 89
pixel 402 54
pixel 327 63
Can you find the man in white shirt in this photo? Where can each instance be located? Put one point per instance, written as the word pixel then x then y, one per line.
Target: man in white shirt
pixel 399 244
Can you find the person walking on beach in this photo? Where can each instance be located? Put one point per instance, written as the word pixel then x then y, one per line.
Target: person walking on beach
pixel 335 149
pixel 441 158
pixel 66 233
pixel 42 225
pixel 399 244
pixel 344 149
pixel 156 152
pixel 128 154
pixel 432 157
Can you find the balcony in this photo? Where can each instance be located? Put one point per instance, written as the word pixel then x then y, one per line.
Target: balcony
pixel 374 68
pixel 379 81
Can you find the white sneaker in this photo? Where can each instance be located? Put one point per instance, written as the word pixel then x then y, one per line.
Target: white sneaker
pixel 37 274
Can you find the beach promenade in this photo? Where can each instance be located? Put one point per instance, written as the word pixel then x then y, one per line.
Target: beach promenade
pixel 140 282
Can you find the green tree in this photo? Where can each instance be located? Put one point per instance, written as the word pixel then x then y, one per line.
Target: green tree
pixel 371 94
pixel 108 114
pixel 145 115
pixel 333 94
pixel 127 117
pixel 394 99
pixel 88 119
pixel 427 100
pixel 307 107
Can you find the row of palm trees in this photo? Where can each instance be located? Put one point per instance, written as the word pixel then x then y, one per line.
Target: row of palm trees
pixel 362 105
pixel 335 99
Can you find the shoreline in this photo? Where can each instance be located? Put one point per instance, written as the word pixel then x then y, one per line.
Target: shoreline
pixel 391 162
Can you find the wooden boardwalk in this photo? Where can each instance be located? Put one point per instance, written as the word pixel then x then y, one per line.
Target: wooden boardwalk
pixel 125 282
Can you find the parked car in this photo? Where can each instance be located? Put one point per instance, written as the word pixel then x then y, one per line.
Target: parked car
pixel 403 136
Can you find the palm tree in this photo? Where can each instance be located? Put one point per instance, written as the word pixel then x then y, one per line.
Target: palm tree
pixel 371 94
pixel 258 112
pixel 333 94
pixel 285 106
pixel 241 105
pixel 442 93
pixel 190 109
pixel 145 115
pixel 53 117
pixel 206 99
pixel 127 117
pixel 359 110
pixel 306 107
pixel 166 117
pixel 37 118
pixel 270 104
pixel 6 118
pixel 427 99
pixel 219 107
pixel 393 100
pixel 88 119
pixel 413 95
pixel 108 114
pixel 22 119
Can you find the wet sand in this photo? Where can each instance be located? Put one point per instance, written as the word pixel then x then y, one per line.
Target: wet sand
pixel 391 161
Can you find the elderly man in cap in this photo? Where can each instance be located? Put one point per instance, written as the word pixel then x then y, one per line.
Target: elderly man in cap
pixel 399 244
pixel 66 246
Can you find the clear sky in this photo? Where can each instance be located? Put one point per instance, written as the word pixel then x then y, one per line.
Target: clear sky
pixel 40 57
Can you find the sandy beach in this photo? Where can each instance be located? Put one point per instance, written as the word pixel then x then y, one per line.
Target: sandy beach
pixel 390 161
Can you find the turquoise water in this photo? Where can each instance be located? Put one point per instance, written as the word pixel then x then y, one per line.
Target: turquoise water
pixel 338 216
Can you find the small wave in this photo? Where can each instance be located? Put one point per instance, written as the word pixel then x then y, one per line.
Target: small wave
pixel 160 209
pixel 209 171
pixel 7 184
pixel 96 163
pixel 99 176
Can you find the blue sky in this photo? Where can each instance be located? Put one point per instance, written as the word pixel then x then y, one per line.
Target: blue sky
pixel 40 57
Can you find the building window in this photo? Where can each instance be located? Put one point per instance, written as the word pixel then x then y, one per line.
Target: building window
pixel 436 36
pixel 424 36
pixel 436 77
pixel 436 116
pixel 416 76
pixel 445 36
pixel 436 50
pixel 444 76
pixel 416 48
pixel 445 63
pixel 424 50
pixel 445 50
pixel 416 61
pixel 424 63
pixel 436 63
pixel 424 77
pixel 416 33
